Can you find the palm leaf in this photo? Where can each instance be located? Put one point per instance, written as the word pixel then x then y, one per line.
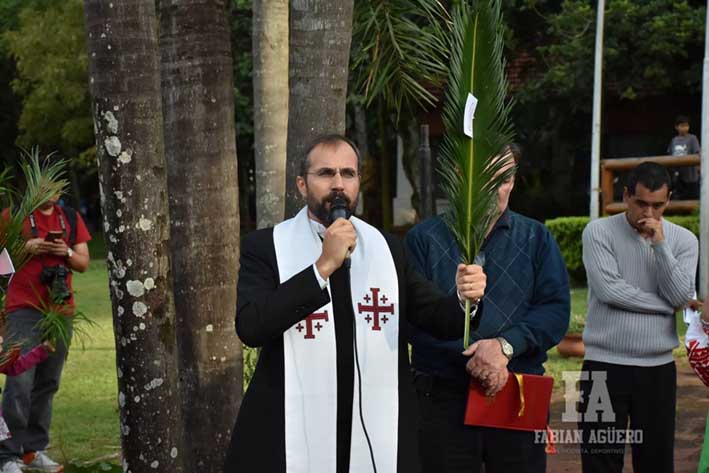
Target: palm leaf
pixel 399 51
pixel 61 324
pixel 470 173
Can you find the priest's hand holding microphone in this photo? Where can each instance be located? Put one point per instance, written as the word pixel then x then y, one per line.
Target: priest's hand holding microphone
pixel 339 241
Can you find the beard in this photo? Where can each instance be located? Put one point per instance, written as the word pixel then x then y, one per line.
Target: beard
pixel 321 208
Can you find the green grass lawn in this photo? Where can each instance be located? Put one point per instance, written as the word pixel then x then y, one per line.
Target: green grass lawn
pixel 85 424
pixel 85 419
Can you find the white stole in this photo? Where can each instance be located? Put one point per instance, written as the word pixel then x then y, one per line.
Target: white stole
pixel 310 357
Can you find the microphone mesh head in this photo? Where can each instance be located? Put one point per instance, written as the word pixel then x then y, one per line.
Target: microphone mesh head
pixel 339 208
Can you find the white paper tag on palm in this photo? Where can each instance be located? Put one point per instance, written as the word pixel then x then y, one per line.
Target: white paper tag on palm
pixel 6 266
pixel 470 105
pixel 7 269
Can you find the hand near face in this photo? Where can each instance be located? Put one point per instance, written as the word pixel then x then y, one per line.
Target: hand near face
pixel 652 229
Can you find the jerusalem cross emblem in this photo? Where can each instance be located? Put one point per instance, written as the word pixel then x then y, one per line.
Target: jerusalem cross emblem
pixel 376 306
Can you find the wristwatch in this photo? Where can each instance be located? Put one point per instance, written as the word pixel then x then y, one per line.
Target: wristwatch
pixel 69 253
pixel 507 349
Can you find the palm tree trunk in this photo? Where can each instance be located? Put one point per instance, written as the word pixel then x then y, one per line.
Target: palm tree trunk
pixel 200 142
pixel 320 37
pixel 270 75
pixel 125 89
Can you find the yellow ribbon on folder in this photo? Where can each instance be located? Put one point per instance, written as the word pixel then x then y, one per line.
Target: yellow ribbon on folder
pixel 520 382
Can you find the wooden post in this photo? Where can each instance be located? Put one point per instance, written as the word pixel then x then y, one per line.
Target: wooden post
pixel 606 186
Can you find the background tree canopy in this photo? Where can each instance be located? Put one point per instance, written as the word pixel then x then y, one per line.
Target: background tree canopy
pixel 652 72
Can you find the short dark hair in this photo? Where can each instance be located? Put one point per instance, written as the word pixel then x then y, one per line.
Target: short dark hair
pixel 332 139
pixel 513 149
pixel 681 119
pixel 651 175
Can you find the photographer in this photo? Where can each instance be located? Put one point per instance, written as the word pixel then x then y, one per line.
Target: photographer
pixel 57 242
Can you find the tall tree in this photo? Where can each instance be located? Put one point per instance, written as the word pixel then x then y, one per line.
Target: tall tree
pixel 270 75
pixel 200 141
pixel 50 52
pixel 124 79
pixel 320 37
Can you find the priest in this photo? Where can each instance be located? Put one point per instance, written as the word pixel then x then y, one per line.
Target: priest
pixel 326 301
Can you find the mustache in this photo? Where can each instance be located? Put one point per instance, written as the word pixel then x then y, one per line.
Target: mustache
pixel 341 195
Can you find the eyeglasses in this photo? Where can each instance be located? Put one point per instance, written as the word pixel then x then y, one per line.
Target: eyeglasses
pixel 346 174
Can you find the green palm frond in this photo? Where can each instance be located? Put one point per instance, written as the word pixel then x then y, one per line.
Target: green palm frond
pixel 43 179
pixel 471 175
pixel 399 50
pixel 60 323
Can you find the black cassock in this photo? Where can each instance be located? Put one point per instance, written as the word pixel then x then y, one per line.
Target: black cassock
pixel 266 309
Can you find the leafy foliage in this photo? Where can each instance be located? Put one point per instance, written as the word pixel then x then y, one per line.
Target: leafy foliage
pixel 59 326
pixel 471 174
pixel 567 233
pixel 52 76
pixel 400 50
pixel 470 171
pixel 649 45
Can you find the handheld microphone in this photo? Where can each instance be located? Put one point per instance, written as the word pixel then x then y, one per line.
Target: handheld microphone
pixel 339 209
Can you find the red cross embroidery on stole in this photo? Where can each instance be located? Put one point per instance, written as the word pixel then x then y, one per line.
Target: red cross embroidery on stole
pixel 375 309
pixel 315 316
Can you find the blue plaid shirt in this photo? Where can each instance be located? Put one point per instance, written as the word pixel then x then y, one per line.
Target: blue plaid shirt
pixel 526 301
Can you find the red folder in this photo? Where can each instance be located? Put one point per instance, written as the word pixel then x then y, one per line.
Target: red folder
pixel 523 404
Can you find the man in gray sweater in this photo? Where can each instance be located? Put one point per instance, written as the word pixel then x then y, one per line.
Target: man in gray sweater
pixel 640 269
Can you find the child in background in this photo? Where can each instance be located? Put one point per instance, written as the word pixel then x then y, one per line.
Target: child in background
pixel 684 143
pixel 13 364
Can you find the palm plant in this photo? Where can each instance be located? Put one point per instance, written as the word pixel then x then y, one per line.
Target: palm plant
pixel 471 174
pixel 400 49
pixel 398 63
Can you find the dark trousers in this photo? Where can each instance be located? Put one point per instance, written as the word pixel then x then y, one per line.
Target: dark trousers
pixel 449 446
pixel 27 400
pixel 644 396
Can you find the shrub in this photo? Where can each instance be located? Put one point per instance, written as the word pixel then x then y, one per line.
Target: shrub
pixel 567 233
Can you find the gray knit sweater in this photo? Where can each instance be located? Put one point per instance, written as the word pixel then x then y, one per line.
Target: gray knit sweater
pixel 634 289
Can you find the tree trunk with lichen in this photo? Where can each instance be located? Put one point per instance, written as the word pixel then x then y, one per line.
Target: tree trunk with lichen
pixel 320 37
pixel 200 143
pixel 126 106
pixel 270 75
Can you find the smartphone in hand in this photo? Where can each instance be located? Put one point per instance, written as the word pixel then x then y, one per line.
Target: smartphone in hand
pixel 53 236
